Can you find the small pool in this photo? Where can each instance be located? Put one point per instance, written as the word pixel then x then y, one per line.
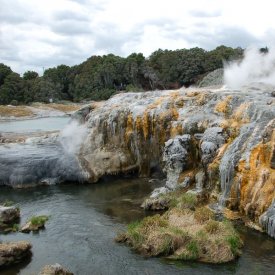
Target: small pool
pixel 34 125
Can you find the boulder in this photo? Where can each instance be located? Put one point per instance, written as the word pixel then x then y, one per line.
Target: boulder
pixel 9 214
pixel 14 252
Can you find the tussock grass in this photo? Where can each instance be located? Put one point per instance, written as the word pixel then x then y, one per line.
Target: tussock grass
pixel 203 214
pixel 185 234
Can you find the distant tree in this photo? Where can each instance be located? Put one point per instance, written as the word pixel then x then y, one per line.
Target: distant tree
pixel 13 88
pixel 264 50
pixel 4 72
pixel 44 90
pixel 30 75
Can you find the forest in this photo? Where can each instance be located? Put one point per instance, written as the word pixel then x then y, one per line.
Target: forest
pixel 99 77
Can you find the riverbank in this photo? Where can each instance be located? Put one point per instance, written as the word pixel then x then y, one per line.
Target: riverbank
pixel 35 110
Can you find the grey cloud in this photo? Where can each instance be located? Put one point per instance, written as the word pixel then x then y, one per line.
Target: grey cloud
pixel 71 28
pixel 111 40
pixel 229 36
pixel 70 15
pixel 203 13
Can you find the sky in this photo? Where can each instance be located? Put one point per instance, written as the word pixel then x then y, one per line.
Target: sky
pixel 39 34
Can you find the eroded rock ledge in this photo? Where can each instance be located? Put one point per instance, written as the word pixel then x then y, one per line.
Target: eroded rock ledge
pixel 216 143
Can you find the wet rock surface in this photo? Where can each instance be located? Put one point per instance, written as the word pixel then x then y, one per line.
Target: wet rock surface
pixel 14 252
pixel 9 214
pixel 55 269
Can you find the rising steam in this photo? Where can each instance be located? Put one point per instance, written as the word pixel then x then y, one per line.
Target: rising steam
pixel 255 67
pixel 72 136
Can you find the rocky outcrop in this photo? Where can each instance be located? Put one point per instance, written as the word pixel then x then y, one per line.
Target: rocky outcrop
pixel 210 141
pixel 212 79
pixel 14 252
pixel 55 269
pixel 9 214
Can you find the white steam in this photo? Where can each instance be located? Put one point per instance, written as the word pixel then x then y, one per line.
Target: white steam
pixel 255 67
pixel 72 136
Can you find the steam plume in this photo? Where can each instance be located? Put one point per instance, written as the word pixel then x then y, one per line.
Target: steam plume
pixel 255 67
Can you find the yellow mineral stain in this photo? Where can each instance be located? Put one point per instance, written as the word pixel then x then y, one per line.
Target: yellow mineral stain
pixel 129 127
pixel 257 180
pixel 223 106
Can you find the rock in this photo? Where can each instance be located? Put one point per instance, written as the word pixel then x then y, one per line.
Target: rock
pixel 212 79
pixel 14 252
pixel 155 204
pixel 177 158
pixel 212 139
pixel 267 220
pixel 272 160
pixel 81 114
pixel 55 269
pixel 35 224
pixel 9 215
pixel 273 93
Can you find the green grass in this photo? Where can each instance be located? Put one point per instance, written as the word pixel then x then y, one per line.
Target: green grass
pixel 188 200
pixel 8 203
pixel 39 220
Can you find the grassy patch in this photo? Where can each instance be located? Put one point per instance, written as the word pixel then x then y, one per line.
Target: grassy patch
pixel 203 214
pixel 188 200
pixel 18 111
pixel 185 234
pixel 7 203
pixel 39 220
pixel 212 226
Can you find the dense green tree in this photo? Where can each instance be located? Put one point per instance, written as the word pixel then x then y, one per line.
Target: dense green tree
pixel 30 75
pixel 13 88
pixel 99 77
pixel 4 72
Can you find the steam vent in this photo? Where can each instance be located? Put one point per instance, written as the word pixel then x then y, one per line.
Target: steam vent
pixel 218 143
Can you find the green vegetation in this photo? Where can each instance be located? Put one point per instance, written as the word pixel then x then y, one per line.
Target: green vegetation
pixel 184 234
pixel 7 203
pixel 99 77
pixel 39 221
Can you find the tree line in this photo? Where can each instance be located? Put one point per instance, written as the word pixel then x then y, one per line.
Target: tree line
pixel 99 77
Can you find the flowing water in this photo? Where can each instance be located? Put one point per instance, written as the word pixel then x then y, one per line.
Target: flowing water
pixel 84 219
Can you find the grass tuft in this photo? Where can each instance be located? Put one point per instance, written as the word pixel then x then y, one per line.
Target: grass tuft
pixel 39 220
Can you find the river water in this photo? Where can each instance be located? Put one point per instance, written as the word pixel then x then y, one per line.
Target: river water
pixel 34 125
pixel 84 219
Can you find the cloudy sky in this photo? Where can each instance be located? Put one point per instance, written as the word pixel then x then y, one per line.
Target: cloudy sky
pixel 37 34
